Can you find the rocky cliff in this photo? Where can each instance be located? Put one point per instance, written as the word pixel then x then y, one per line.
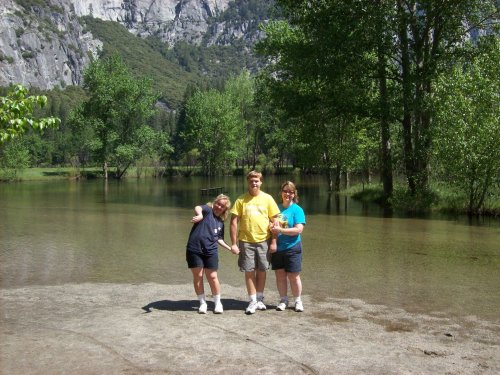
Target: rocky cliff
pixel 45 47
pixel 43 43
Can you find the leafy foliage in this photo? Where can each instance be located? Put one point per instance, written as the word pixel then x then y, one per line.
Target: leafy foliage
pixel 15 158
pixel 16 114
pixel 467 113
pixel 213 129
pixel 117 110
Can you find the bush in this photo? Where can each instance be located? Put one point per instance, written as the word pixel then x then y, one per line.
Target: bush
pixel 422 201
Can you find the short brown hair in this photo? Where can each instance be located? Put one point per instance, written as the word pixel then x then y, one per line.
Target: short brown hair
pixel 254 174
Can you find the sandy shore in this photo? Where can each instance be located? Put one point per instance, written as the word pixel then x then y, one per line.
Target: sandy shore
pixel 155 329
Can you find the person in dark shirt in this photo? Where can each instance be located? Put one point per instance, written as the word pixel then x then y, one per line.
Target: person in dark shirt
pixel 202 248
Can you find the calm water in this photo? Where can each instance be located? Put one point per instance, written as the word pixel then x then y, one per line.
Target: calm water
pixel 135 231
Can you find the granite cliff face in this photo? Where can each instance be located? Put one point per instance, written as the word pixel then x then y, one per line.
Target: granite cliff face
pixel 42 48
pixel 171 20
pixel 47 47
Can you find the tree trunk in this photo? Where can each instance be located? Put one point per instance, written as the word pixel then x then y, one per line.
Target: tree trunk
pixel 336 187
pixel 105 170
pixel 330 179
pixel 406 78
pixel 346 180
pixel 385 135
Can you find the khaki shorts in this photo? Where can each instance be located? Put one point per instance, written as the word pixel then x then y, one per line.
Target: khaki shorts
pixel 253 256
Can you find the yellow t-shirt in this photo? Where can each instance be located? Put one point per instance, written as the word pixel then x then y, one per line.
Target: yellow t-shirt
pixel 254 213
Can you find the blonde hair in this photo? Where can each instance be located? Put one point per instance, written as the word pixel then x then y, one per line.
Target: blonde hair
pixel 221 197
pixel 291 185
pixel 254 174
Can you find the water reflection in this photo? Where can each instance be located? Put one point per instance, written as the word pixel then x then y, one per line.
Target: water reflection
pixel 135 231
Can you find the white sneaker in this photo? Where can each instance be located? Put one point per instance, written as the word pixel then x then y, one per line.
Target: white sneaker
pixel 282 306
pixel 261 306
pixel 298 306
pixel 252 306
pixel 202 309
pixel 218 309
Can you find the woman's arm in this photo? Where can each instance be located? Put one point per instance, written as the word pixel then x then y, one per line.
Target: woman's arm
pixel 295 231
pixel 199 215
pixel 223 244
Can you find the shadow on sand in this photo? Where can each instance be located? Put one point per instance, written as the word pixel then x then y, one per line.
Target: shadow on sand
pixel 191 305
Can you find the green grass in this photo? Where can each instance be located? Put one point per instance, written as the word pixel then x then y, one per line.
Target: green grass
pixel 60 173
pixel 440 198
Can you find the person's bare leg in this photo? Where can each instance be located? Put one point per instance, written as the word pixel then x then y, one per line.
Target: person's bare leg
pixel 199 288
pixel 260 281
pixel 198 280
pixel 250 281
pixel 295 283
pixel 281 282
pixel 213 281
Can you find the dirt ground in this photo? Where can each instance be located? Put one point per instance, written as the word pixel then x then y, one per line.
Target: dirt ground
pixel 155 329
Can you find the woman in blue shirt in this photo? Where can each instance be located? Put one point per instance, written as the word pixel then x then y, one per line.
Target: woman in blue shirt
pixel 287 259
pixel 202 252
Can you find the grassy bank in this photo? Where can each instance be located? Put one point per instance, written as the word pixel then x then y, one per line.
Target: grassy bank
pixel 440 198
pixel 39 174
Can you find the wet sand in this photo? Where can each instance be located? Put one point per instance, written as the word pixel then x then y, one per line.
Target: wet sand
pixel 155 329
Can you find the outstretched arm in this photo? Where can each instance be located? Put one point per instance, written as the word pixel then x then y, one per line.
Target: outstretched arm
pixel 223 244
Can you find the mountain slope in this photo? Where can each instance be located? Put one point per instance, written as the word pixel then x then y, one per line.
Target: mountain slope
pixel 47 44
pixel 169 79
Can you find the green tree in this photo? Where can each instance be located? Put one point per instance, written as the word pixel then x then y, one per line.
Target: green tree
pixel 15 158
pixel 467 113
pixel 213 127
pixel 427 34
pixel 16 114
pixel 320 90
pixel 338 53
pixel 240 90
pixel 117 110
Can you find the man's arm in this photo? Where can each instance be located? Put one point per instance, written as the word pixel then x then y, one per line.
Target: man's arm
pixel 233 232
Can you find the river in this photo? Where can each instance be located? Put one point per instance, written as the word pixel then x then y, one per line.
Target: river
pixel 135 231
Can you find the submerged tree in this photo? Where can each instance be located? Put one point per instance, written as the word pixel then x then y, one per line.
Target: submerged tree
pixel 213 127
pixel 376 59
pixel 467 113
pixel 117 110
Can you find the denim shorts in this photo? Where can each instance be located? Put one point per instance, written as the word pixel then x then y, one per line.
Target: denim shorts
pixel 195 260
pixel 253 256
pixel 290 259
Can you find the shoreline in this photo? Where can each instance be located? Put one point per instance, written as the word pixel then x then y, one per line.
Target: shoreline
pixel 155 328
pixel 357 192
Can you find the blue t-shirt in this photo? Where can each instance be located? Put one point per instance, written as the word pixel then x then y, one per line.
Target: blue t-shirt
pixel 293 214
pixel 205 234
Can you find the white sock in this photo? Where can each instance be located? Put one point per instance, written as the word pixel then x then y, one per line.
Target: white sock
pixel 260 296
pixel 297 299
pixel 217 299
pixel 201 298
pixel 252 298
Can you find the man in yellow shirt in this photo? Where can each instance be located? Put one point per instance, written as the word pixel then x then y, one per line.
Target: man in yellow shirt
pixel 253 211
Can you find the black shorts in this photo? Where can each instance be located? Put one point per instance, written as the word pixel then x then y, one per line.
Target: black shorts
pixel 195 260
pixel 290 260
